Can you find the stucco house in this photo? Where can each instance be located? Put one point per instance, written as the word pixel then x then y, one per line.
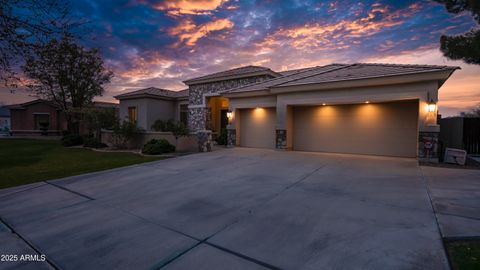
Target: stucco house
pixel 145 106
pixel 375 109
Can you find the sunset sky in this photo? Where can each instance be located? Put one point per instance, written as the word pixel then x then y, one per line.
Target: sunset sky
pixel 161 43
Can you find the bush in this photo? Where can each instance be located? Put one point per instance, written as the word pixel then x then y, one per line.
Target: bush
pixel 157 147
pixel 93 143
pixel 222 137
pixel 164 126
pixel 123 133
pixel 72 140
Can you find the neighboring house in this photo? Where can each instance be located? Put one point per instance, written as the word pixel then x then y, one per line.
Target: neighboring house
pixel 4 119
pixel 29 117
pixel 145 106
pixel 375 109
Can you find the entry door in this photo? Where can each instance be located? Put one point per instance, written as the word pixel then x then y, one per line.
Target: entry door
pixel 388 129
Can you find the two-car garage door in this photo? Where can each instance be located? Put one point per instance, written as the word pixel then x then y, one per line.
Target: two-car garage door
pixel 388 129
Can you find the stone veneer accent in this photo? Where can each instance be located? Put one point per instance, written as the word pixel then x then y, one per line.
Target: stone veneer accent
pixel 231 137
pixel 281 139
pixel 428 145
pixel 198 116
pixel 204 140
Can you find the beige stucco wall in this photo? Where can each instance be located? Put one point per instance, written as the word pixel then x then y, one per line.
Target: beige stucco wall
pixel 149 110
pixel 421 91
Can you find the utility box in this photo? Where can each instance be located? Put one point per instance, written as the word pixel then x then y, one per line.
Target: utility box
pixel 455 156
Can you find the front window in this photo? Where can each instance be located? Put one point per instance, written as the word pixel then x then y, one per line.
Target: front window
pixel 132 114
pixel 42 121
pixel 184 113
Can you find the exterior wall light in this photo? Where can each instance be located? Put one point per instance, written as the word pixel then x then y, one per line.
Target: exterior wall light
pixel 366 102
pixel 431 106
pixel 229 115
pixel 324 104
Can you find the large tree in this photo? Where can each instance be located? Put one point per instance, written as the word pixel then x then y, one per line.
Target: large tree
pixel 67 74
pixel 24 23
pixel 464 47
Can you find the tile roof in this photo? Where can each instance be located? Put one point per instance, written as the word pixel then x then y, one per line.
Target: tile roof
pixel 338 72
pixel 364 71
pixel 290 76
pixel 153 91
pixel 241 71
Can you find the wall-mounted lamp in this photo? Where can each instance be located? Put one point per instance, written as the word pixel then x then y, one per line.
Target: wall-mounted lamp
pixel 229 115
pixel 366 102
pixel 431 106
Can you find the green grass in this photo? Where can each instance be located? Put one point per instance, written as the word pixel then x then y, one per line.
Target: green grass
pixel 464 255
pixel 24 161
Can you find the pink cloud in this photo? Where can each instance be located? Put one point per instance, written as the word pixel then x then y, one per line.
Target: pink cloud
pixel 191 7
pixel 189 33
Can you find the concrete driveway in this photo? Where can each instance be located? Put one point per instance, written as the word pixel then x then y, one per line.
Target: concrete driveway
pixel 236 209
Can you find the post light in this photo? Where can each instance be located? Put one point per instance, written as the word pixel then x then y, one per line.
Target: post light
pixel 431 106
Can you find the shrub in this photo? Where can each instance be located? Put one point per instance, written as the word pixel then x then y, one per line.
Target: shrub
pixel 72 140
pixel 124 132
pixel 222 137
pixel 164 126
pixel 157 147
pixel 93 143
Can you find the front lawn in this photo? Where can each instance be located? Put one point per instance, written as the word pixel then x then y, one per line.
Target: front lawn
pixel 24 161
pixel 464 255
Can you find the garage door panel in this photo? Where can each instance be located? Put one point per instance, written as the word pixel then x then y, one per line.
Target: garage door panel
pixel 379 129
pixel 257 127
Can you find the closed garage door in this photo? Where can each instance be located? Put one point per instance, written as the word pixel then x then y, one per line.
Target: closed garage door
pixel 388 129
pixel 257 127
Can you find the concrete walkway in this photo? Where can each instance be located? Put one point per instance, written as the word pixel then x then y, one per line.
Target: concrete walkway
pixel 243 209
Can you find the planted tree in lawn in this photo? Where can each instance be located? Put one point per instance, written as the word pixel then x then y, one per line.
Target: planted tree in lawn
pixel 66 74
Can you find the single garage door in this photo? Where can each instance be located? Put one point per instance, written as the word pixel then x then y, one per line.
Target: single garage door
pixel 257 127
pixel 388 129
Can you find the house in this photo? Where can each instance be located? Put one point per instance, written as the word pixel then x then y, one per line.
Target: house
pixel 31 117
pixel 374 109
pixel 145 106
pixel 4 119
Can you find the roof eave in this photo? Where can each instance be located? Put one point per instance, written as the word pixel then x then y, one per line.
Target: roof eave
pixel 440 75
pixel 137 96
pixel 232 77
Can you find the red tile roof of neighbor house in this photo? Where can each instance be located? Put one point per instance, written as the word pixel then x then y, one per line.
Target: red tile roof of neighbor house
pixel 154 92
pixel 240 72
pixel 340 72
